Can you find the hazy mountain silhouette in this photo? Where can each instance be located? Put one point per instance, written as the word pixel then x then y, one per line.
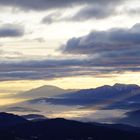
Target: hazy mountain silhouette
pixel 61 129
pixel 43 91
pixel 104 92
pixel 106 95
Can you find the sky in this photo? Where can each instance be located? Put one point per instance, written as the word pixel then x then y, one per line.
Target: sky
pixel 68 43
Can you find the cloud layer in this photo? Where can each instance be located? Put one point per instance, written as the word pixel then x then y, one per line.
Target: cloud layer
pixel 109 48
pixel 88 12
pixel 11 30
pixel 50 4
pixel 51 69
pixel 91 10
pixel 113 51
pixel 106 52
pixel 94 11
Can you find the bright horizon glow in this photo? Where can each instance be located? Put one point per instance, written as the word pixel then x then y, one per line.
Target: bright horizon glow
pixel 84 82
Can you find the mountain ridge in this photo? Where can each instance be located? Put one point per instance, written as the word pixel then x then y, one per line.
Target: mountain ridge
pixel 106 93
pixel 62 129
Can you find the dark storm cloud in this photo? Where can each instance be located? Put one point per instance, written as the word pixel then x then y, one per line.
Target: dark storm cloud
pixel 50 4
pixel 9 30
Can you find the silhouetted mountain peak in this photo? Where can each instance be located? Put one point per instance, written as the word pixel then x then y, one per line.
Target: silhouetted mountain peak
pixel 105 87
pixel 7 119
pixel 51 87
pixel 125 86
pixel 43 91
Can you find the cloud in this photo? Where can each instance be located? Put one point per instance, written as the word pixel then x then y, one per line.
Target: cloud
pixel 113 47
pixel 50 4
pixel 40 39
pixel 130 11
pixel 116 39
pixel 108 52
pixel 53 17
pixel 51 69
pixel 92 10
pixel 84 14
pixel 10 30
pixel 45 69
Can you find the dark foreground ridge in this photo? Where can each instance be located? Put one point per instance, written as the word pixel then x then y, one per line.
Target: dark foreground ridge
pixel 61 129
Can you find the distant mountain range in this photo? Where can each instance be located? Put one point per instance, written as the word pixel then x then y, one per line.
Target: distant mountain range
pixel 116 96
pixel 43 91
pixel 61 129
pixel 122 97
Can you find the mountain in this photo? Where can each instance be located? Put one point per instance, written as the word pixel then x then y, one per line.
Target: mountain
pixel 131 118
pixel 107 95
pixel 104 92
pixel 43 91
pixel 61 129
pixel 7 119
